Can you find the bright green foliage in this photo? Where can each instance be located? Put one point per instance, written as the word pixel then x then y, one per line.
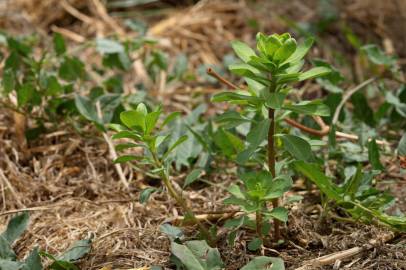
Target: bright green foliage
pixel 259 187
pixel 268 71
pixel 142 127
pixel 146 130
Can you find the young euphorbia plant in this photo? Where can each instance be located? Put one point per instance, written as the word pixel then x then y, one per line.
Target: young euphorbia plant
pixel 146 131
pixel 269 71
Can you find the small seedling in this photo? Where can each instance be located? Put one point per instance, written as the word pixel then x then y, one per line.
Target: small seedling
pixel 146 131
pixel 268 72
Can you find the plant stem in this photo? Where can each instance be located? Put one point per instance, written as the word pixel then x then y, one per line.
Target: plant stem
pixel 187 211
pixel 258 219
pixel 180 201
pixel 271 157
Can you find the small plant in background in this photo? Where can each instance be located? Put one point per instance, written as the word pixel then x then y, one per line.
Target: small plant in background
pixel 269 72
pixel 145 129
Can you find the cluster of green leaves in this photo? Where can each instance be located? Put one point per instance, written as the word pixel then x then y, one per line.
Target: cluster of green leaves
pixel 145 129
pixel 198 255
pixel 356 195
pixel 268 72
pixel 8 259
pixel 258 188
pixel 58 85
pixel 41 84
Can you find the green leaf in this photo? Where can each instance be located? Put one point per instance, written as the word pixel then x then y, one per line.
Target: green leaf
pixel 59 44
pixel 280 213
pixel 268 45
pixel 377 56
pixel 126 158
pixel 402 146
pixel 201 139
pixel 236 191
pixel 150 120
pixel 243 50
pixel 278 186
pixel 117 127
pixel 117 60
pixel 289 77
pixel 324 183
pixel 108 105
pixel 262 64
pixel 300 52
pixel 181 140
pixel 78 250
pixel 287 49
pixel 299 148
pixel 258 132
pixel 12 62
pixel 228 143
pixel 373 155
pixel 262 263
pixel 16 226
pixel 192 176
pixel 314 107
pixel 87 108
pixel 146 193
pixel 123 146
pixel 6 252
pixel 362 110
pixel 142 109
pixel 18 45
pixel 255 137
pixel 25 94
pixel 395 101
pixel 244 70
pixel 231 119
pixel 126 134
pixel 236 98
pixel 314 73
pixel 8 81
pixel 255 244
pixel 108 46
pixel 133 119
pixel 71 69
pixel 197 255
pixel 59 264
pixel 172 116
pixel 53 86
pixel 209 256
pixel 10 265
pixel 33 261
pixel 171 231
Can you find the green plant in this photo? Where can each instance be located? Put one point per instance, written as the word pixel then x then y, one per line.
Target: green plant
pixel 269 72
pixel 146 130
pixel 355 196
pixel 198 255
